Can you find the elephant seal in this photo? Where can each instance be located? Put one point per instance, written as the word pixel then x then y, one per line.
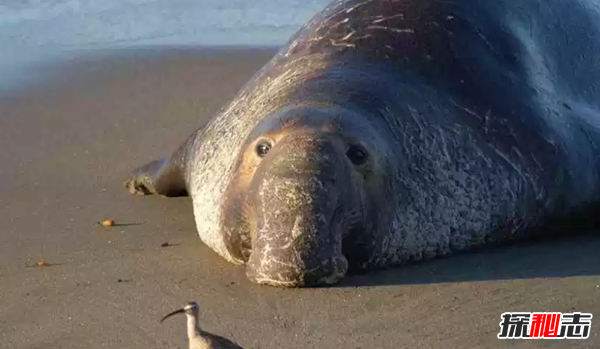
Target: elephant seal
pixel 388 132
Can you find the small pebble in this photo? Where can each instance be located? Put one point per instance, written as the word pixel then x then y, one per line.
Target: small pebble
pixel 107 223
pixel 165 244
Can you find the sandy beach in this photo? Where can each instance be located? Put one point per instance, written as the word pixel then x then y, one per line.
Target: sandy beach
pixel 66 146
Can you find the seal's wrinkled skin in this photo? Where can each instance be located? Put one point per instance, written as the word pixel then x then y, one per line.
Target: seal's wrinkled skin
pixel 395 131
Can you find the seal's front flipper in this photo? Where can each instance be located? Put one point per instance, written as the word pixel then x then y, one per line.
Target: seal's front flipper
pixel 163 177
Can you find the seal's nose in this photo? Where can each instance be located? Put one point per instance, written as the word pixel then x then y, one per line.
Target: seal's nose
pixel 299 216
pixel 298 242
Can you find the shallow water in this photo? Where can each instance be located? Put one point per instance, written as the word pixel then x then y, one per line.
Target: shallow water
pixel 35 30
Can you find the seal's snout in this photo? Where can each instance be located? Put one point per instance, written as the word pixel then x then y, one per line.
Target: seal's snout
pixel 300 191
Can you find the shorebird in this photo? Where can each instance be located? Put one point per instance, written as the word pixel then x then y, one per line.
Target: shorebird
pixel 199 339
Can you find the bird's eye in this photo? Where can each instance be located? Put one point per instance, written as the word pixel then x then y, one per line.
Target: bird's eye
pixel 357 155
pixel 263 148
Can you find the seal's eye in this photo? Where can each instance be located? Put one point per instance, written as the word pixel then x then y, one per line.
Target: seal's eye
pixel 357 155
pixel 263 148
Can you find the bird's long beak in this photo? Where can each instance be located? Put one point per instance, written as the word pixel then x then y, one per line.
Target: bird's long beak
pixel 173 313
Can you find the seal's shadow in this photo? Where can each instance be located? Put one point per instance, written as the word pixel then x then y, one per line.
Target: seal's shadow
pixel 555 258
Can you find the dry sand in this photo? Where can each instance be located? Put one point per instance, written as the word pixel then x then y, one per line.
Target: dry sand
pixel 66 147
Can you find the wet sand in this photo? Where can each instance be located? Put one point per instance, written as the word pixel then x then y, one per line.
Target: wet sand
pixel 66 146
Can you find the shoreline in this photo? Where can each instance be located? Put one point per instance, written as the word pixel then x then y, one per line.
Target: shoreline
pixel 34 71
